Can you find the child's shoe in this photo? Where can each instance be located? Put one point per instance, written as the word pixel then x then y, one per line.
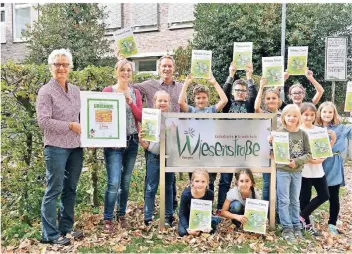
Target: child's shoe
pixel 311 230
pixel 148 222
pixel 168 221
pixel 287 234
pixel 332 229
pixel 298 233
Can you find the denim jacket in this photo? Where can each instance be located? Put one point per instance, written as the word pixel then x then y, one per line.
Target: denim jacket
pixel 333 166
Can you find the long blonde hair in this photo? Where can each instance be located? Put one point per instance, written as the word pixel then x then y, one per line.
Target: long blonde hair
pixel 120 64
pixel 336 118
pixel 200 171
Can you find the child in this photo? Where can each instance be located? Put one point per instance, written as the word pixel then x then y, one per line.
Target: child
pixel 328 117
pixel 197 190
pixel 241 104
pixel 235 202
pixel 289 176
pixel 297 92
pixel 162 102
pixel 272 103
pixel 312 174
pixel 200 95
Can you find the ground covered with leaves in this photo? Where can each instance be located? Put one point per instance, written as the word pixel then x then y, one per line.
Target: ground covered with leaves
pixel 137 238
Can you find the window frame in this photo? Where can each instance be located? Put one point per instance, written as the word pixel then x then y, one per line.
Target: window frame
pixel 138 60
pixel 3 9
pixel 14 8
pixel 111 30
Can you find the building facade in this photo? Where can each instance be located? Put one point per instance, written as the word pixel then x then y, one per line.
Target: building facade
pixel 159 28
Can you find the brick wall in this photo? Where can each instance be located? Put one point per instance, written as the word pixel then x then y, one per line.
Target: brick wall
pixel 156 41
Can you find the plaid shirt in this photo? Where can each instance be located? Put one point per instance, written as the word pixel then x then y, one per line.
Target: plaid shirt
pixel 150 87
pixel 55 110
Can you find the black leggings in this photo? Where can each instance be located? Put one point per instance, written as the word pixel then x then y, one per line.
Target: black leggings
pixel 334 204
pixel 307 205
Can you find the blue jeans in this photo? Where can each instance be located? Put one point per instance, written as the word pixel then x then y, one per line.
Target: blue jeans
pixel 63 169
pixel 266 186
pixel 288 190
pixel 224 187
pixel 152 183
pixel 236 207
pixel 119 164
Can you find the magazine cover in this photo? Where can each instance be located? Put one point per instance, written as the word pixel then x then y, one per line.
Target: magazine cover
pixel 201 64
pixel 125 42
pixel 242 54
pixel 273 70
pixel 319 143
pixel 256 212
pixel 297 60
pixel 348 101
pixel 200 215
pixel 151 124
pixel 281 147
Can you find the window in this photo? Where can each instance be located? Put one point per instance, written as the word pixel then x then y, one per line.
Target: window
pixel 3 24
pixel 147 65
pixel 144 17
pixel 180 16
pixel 21 18
pixel 113 17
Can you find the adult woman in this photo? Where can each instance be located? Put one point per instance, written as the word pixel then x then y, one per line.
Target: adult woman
pixel 120 161
pixel 58 106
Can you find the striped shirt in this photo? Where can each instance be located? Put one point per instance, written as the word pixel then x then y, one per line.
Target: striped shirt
pixel 55 110
pixel 150 87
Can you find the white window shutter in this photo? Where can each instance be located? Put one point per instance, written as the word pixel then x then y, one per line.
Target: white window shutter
pixel 180 13
pixel 144 15
pixel 113 15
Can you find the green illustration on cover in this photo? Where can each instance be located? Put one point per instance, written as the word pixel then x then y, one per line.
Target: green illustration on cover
pixel 149 126
pixel 296 65
pixel 200 68
pixel 274 75
pixel 199 219
pixel 348 104
pixel 255 221
pixel 242 59
pixel 320 147
pixel 281 152
pixel 127 46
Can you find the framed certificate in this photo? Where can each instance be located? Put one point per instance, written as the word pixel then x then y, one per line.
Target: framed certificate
pixel 103 119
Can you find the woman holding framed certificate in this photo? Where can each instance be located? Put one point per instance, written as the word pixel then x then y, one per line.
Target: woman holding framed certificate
pixel 120 161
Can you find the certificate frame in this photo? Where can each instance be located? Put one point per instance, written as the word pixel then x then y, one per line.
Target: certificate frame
pixel 110 128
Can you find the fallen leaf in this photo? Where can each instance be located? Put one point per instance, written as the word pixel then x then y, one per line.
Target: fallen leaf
pixel 25 244
pixel 119 248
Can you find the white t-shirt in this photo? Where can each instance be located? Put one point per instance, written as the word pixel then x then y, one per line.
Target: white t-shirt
pixel 312 170
pixel 234 194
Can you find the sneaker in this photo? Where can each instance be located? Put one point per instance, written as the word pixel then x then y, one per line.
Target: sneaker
pixel 148 222
pixel 311 230
pixel 218 212
pixel 123 221
pixel 287 234
pixel 332 229
pixel 61 240
pixel 298 233
pixel 108 227
pixel 168 221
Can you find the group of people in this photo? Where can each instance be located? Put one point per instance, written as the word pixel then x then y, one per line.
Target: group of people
pixel 58 107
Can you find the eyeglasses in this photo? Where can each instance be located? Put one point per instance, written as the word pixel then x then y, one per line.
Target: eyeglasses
pixel 58 65
pixel 240 90
pixel 297 93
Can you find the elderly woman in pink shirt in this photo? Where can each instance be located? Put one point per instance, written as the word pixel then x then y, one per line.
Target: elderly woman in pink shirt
pixel 58 107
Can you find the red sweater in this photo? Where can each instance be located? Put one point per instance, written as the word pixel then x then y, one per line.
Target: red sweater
pixel 135 108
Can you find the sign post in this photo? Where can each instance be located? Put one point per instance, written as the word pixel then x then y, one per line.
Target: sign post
pixel 219 143
pixel 335 61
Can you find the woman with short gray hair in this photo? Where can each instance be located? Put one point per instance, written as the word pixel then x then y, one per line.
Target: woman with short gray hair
pixel 58 107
